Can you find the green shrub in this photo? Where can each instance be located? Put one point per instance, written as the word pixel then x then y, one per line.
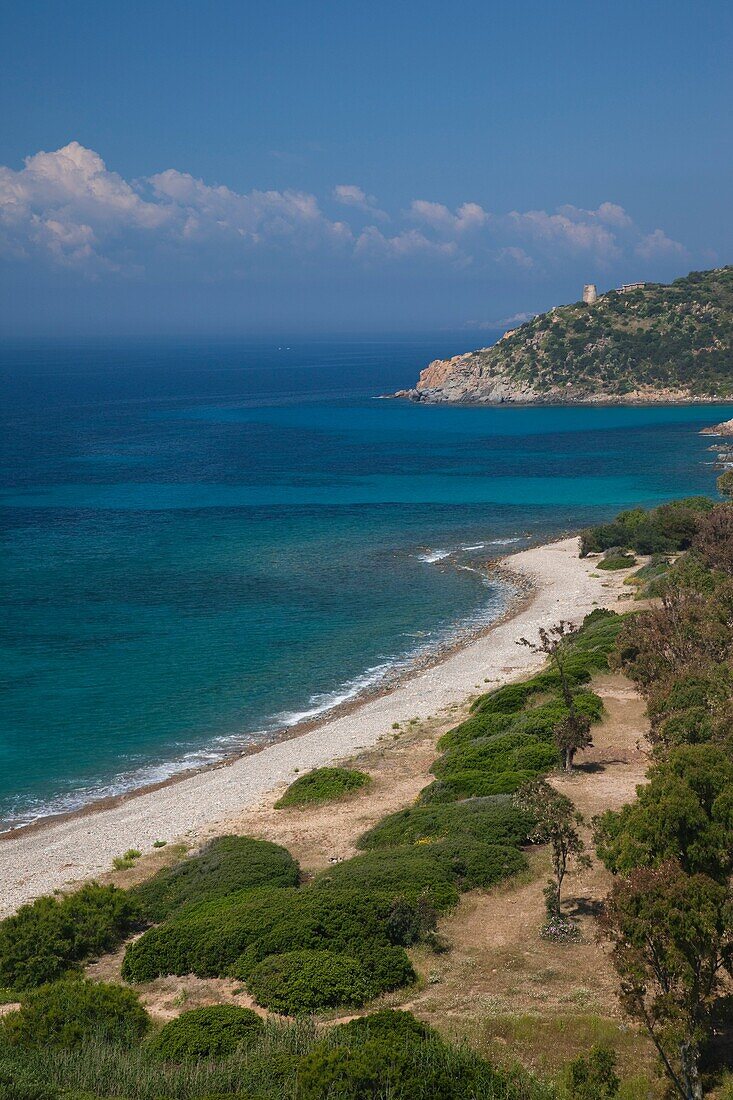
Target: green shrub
pixel 483 753
pixel 66 1013
pixel 458 785
pixel 407 871
pixel 308 981
pixel 670 527
pixel 224 866
pixel 692 689
pixel 493 820
pixel 592 1077
pixel 533 758
pixel 124 863
pixel 323 785
pixel 613 561
pixel 358 1066
pixel 387 1023
pixel 478 725
pixel 208 939
pixel 51 936
pixel 211 1032
pixel 686 727
pixel 433 868
pixel 509 699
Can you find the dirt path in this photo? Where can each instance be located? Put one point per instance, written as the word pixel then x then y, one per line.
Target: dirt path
pixel 499 968
pixel 498 964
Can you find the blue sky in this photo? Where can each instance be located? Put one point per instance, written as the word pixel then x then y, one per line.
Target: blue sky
pixel 290 167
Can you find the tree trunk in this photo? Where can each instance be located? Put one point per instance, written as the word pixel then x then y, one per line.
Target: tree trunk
pixel 689 1059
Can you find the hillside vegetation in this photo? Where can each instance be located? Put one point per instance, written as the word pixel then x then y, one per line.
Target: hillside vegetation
pixel 367 931
pixel 657 343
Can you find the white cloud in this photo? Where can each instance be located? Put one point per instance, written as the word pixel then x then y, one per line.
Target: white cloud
pixel 410 242
pixel 516 256
pixel 658 245
pixel 68 209
pixel 572 229
pixel 612 214
pixel 468 216
pixel 348 194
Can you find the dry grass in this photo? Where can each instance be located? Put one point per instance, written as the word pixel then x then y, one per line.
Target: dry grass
pixel 511 994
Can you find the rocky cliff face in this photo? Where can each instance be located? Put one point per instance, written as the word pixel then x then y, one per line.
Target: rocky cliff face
pixel 652 344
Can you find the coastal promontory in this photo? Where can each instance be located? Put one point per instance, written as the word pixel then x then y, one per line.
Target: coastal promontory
pixel 640 344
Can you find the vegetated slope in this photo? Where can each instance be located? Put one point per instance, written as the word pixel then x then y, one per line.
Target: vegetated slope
pixel 658 343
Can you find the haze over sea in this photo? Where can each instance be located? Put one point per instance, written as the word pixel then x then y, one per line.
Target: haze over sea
pixel 204 542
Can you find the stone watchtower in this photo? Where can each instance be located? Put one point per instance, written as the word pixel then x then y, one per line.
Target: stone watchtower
pixel 590 294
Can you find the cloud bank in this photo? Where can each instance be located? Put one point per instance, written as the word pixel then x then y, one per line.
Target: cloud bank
pixel 66 209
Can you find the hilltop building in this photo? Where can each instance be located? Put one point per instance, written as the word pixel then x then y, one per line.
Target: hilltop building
pixel 631 286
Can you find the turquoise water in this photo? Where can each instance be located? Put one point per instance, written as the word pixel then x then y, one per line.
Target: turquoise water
pixel 201 544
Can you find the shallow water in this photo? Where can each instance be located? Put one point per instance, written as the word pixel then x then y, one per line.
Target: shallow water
pixel 203 543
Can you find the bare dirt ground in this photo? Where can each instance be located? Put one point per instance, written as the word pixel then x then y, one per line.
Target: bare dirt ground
pixel 500 971
pixel 316 835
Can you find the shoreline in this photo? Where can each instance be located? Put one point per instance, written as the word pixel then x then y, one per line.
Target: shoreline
pixel 518 590
pixel 551 582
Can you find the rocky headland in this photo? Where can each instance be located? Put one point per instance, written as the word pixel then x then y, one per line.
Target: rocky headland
pixel 648 344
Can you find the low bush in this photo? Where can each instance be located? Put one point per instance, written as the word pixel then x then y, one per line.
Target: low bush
pixel 323 785
pixel 541 721
pixel 308 981
pixel 52 936
pixel 592 1076
pixel 458 785
pixel 208 939
pixel 387 1023
pixel 407 871
pixel 68 1012
pixel 510 699
pixel 356 1065
pixel 437 869
pixel 670 527
pixel 536 758
pixel 483 753
pixel 211 1032
pixel 493 820
pixel 478 725
pixel 224 866
pixel 382 967
pixel 692 726
pixel 620 560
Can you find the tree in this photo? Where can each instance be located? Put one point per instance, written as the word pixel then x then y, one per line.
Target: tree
pixel 554 644
pixel 556 823
pixel 571 735
pixel 724 484
pixel 684 812
pixel 672 938
pixel 592 1076
pixel 714 535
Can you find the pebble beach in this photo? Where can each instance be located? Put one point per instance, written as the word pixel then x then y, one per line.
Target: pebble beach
pixel 57 854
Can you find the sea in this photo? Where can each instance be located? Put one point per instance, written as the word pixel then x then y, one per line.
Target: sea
pixel 205 542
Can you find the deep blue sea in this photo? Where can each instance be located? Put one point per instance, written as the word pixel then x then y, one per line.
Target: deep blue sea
pixel 204 542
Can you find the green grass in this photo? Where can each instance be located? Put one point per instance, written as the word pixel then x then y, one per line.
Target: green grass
pixel 124 863
pixel 546 1044
pixel 323 785
pixel 403 1067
